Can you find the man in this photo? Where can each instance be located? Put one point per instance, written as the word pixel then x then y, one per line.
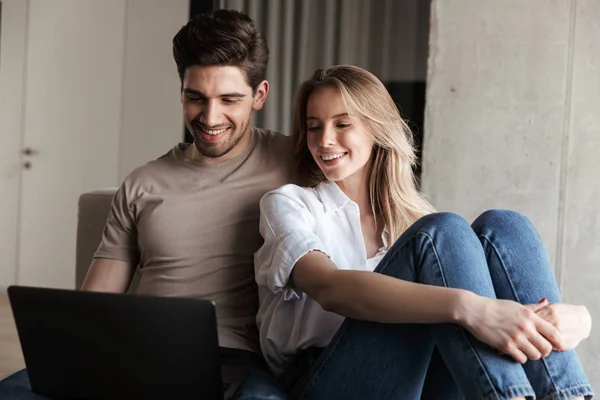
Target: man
pixel 190 218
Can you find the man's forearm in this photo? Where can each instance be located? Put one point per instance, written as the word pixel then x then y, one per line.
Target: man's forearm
pixel 106 275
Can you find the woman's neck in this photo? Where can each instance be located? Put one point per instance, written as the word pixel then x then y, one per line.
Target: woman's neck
pixel 357 190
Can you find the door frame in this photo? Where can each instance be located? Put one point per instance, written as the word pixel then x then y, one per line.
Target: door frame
pixel 13 63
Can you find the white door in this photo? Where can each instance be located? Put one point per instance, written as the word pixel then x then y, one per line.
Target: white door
pixel 60 128
pixel 88 91
pixel 71 127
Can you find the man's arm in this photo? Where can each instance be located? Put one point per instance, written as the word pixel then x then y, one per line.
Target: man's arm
pixel 106 275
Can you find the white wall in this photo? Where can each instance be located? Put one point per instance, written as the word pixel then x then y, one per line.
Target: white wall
pixel 151 122
pixel 92 87
pixel 12 72
pixel 512 121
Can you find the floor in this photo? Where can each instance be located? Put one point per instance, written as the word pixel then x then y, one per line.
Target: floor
pixel 11 358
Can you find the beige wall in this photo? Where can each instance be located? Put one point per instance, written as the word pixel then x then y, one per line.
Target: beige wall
pixel 513 121
pixel 91 86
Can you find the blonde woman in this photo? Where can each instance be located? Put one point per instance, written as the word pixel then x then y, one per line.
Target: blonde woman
pixel 330 328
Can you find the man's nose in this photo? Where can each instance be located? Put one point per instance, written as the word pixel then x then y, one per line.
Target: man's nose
pixel 210 114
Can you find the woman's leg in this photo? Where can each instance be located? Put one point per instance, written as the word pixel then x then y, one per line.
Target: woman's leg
pixel 368 360
pixel 521 271
pixel 439 383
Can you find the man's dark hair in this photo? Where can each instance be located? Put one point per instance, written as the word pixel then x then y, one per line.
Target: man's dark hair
pixel 222 37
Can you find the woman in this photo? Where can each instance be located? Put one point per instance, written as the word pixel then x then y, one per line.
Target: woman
pixel 333 329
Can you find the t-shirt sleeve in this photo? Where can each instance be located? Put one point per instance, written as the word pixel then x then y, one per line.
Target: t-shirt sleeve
pixel 119 238
pixel 287 227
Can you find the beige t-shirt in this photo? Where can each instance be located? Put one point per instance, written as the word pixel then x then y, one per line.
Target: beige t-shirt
pixel 193 229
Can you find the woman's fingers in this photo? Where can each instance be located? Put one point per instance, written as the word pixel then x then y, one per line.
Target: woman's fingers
pixel 530 351
pixel 535 307
pixel 541 344
pixel 512 350
pixel 550 332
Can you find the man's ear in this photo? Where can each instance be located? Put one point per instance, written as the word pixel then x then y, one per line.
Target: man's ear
pixel 262 90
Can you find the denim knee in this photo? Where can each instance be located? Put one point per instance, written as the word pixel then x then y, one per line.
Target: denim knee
pixel 502 221
pixel 443 221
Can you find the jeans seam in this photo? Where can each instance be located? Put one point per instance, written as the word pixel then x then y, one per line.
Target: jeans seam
pixel 569 391
pixel 441 270
pixel 493 247
pixel 511 392
pixel 462 330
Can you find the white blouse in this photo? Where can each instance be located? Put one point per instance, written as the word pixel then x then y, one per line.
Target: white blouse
pixel 293 222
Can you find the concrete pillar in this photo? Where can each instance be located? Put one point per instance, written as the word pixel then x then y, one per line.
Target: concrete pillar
pixel 512 121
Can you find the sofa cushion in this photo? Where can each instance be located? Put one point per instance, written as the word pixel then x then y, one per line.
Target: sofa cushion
pixel 93 208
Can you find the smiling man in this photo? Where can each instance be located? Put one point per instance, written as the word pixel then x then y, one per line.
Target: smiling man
pixel 217 104
pixel 190 218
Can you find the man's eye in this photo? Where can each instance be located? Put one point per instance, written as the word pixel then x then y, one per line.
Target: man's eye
pixel 230 101
pixel 194 99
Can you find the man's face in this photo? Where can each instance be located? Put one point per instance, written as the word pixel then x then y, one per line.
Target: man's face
pixel 217 109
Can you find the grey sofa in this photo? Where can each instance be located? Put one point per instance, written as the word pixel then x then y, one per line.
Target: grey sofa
pixel 92 211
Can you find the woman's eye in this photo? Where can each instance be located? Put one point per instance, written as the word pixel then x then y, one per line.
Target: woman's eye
pixel 314 128
pixel 343 126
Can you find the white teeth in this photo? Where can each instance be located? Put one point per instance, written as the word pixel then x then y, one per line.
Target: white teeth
pixel 213 132
pixel 330 157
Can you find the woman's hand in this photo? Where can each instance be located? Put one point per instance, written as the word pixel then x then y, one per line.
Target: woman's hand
pixel 512 328
pixel 573 321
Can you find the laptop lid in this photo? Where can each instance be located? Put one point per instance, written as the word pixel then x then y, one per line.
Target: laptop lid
pixel 94 345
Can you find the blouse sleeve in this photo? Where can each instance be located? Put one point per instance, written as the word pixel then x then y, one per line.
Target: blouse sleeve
pixel 287 227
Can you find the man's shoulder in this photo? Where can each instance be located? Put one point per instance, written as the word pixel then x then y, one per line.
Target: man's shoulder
pixel 274 140
pixel 273 153
pixel 153 170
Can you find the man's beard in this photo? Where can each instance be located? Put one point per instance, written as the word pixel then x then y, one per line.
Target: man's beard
pixel 218 150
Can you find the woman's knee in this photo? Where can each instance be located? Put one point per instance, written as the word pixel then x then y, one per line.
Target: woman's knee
pixel 445 227
pixel 502 221
pixel 443 221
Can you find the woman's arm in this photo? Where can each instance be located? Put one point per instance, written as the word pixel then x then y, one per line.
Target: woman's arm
pixel 505 325
pixel 376 297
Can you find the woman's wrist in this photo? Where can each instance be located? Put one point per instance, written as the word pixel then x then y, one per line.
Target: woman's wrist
pixel 463 305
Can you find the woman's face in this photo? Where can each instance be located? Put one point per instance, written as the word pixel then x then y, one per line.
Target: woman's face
pixel 338 143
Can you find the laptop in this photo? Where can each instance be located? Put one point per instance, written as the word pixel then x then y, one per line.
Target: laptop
pixel 90 345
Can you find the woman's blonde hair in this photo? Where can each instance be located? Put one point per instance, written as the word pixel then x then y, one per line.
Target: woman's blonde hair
pixel 392 187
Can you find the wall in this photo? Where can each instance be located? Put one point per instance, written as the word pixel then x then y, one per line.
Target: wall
pixel 151 122
pixel 92 88
pixel 512 122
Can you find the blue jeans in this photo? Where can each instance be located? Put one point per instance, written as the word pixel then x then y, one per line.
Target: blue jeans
pixel 258 385
pixel 499 256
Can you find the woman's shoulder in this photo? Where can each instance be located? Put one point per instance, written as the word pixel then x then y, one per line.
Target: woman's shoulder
pixel 305 197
